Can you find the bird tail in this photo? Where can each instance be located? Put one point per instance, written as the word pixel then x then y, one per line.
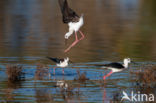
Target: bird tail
pixel 50 58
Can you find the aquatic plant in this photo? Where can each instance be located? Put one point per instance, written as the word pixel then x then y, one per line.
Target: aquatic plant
pixel 147 76
pixel 43 95
pixel 146 79
pixel 81 77
pixel 14 72
pixel 42 72
pixel 15 76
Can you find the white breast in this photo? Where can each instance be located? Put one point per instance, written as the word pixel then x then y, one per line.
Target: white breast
pixel 76 25
pixel 62 64
pixel 115 69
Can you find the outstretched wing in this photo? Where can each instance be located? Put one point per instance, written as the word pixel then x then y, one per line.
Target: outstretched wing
pixel 56 60
pixel 68 14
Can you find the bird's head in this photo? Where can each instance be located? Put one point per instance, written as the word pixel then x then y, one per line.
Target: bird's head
pixel 66 59
pixel 127 61
pixel 66 37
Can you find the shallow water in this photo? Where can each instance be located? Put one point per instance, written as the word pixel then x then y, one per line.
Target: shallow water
pixel 32 89
pixel 30 30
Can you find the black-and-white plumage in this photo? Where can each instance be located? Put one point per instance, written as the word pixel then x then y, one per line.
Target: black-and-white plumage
pixel 60 62
pixel 56 60
pixel 68 15
pixel 74 22
pixel 116 67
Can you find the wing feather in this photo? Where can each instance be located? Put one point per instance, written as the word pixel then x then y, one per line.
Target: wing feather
pixel 69 15
pixel 56 60
pixel 114 65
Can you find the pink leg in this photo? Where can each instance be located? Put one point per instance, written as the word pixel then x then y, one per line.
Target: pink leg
pixel 82 35
pixel 104 77
pixel 104 95
pixel 49 74
pixel 54 70
pixel 63 71
pixel 73 44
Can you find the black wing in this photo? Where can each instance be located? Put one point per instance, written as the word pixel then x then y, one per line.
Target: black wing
pixel 68 14
pixel 56 60
pixel 114 65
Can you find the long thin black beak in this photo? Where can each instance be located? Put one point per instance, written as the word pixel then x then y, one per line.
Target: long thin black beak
pixel 70 61
pixel 133 62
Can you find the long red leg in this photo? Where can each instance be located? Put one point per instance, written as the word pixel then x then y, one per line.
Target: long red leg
pixel 54 70
pixel 82 35
pixel 49 74
pixel 104 95
pixel 63 71
pixel 73 44
pixel 104 77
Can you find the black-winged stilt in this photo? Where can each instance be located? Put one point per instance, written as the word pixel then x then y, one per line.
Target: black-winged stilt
pixel 116 67
pixel 74 22
pixel 60 62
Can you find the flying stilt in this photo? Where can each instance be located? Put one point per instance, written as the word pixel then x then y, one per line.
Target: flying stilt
pixel 116 67
pixel 60 63
pixel 74 22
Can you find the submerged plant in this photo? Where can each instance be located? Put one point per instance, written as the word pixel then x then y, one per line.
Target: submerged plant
pixel 146 79
pixel 81 77
pixel 15 76
pixel 42 72
pixel 147 76
pixel 14 72
pixel 43 95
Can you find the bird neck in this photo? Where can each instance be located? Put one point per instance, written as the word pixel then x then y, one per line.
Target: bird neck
pixel 125 64
pixel 81 19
